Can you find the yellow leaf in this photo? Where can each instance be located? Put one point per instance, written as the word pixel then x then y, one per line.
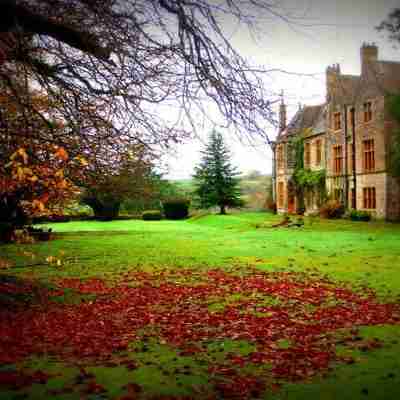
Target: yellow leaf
pixel 20 174
pixel 82 161
pixel 20 152
pixel 23 154
pixel 62 184
pixel 38 204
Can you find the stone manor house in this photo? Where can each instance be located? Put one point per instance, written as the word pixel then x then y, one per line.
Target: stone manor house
pixel 349 137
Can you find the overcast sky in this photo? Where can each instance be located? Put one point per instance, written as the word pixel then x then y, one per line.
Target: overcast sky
pixel 326 32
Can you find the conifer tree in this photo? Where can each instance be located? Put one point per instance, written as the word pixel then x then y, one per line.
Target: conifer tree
pixel 215 177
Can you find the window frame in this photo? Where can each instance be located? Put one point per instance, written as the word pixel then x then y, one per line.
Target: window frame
pixel 367 111
pixel 369 155
pixel 369 198
pixel 337 121
pixel 337 151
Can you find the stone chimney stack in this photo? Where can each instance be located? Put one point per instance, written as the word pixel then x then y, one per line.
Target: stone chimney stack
pixel 332 78
pixel 282 114
pixel 369 56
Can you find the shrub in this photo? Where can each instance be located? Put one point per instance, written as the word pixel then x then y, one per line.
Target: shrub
pixel 59 218
pixel 151 215
pixel 77 211
pixel 177 208
pixel 6 232
pixel 331 209
pixel 359 215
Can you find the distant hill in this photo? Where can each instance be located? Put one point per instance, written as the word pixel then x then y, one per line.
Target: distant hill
pixel 256 188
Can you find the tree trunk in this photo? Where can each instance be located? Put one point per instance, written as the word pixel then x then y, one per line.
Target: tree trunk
pixel 222 209
pixel 12 212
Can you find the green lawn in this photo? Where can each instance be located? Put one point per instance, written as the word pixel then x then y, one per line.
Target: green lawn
pixel 209 308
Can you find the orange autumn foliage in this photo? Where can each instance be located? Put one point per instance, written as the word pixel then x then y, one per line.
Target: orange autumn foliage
pixel 34 172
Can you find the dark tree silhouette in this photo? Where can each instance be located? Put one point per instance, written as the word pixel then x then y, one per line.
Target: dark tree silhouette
pixel 391 25
pixel 216 182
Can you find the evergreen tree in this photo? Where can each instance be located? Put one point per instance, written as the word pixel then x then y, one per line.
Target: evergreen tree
pixel 215 177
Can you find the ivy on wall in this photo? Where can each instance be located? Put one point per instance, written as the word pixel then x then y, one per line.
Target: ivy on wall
pixel 313 180
pixel 304 179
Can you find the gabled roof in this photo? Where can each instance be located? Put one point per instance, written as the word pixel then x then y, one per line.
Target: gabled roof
pixel 311 118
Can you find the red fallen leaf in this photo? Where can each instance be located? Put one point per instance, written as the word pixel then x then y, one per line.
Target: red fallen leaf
pixel 276 387
pixel 13 379
pixel 40 377
pixel 56 293
pixel 131 366
pixel 188 351
pixel 111 364
pixel 237 360
pixel 16 379
pixel 240 387
pixel 132 388
pixel 58 392
pixel 181 314
pixel 94 388
pixel 347 360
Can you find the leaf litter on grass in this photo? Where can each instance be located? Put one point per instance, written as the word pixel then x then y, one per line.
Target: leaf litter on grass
pixel 270 328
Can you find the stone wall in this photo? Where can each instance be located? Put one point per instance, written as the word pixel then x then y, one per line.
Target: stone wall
pixel 393 198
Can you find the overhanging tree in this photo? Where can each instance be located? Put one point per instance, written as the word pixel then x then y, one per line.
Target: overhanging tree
pixel 215 177
pixel 35 174
pixel 111 65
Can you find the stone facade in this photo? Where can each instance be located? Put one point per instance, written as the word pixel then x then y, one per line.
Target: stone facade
pixel 349 137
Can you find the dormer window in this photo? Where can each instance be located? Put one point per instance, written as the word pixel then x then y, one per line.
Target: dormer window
pixel 337 122
pixel 367 111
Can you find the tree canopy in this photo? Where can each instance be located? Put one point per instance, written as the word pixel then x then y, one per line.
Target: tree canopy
pixel 111 66
pixel 391 25
pixel 35 174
